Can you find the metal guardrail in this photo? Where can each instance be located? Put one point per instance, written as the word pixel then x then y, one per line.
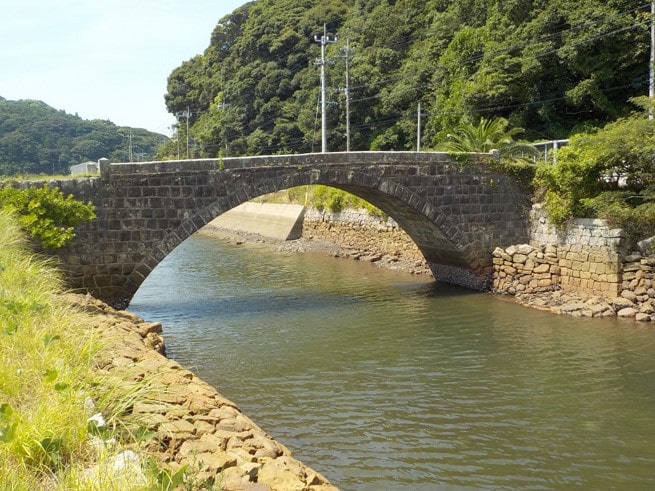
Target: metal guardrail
pixel 548 149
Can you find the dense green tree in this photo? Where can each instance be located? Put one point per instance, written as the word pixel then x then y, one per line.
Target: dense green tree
pixel 35 138
pixel 553 67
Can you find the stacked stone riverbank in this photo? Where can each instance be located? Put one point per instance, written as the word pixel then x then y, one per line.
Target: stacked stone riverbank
pixel 350 234
pixel 534 277
pixel 586 268
pixel 366 237
pixel 190 425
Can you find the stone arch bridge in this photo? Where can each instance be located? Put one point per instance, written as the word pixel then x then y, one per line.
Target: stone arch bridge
pixel 456 212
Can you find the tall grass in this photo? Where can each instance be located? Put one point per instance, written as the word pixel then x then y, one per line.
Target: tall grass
pixel 46 379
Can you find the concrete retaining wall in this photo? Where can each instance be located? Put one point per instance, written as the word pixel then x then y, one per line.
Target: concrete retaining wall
pixel 277 221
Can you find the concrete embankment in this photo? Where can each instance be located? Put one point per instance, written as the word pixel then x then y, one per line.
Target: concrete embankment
pixel 277 221
pixel 190 423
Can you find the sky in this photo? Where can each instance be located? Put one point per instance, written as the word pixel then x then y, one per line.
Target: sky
pixel 103 59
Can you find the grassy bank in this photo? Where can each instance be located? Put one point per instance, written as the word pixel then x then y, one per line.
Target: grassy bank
pixel 53 408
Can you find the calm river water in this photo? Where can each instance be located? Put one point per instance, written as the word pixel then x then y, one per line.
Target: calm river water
pixel 381 380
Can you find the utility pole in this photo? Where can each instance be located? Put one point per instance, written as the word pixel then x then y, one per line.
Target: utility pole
pixel 346 55
pixel 651 81
pixel 187 131
pixel 186 115
pixel 324 40
pixel 129 145
pixel 418 125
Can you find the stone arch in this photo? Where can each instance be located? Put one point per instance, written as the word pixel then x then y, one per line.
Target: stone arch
pixel 187 228
pixel 436 235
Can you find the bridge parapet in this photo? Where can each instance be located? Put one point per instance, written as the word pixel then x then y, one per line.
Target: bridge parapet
pixel 293 160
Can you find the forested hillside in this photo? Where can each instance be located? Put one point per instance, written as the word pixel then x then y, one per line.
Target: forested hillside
pixel 553 67
pixel 36 138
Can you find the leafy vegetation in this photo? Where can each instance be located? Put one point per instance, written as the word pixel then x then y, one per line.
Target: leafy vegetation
pixel 608 174
pixel 553 67
pixel 322 198
pixel 47 439
pixel 487 135
pixel 37 139
pixel 46 214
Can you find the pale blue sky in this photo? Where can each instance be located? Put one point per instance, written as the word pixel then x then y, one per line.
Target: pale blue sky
pixel 103 59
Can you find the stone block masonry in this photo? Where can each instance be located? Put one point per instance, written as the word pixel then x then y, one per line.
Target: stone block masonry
pixel 586 264
pixel 585 257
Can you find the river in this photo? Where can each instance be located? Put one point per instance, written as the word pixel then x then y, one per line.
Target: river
pixel 381 380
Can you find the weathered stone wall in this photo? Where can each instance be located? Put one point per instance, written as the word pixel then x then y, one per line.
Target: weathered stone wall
pixel 366 237
pixel 589 252
pixel 638 285
pixel 584 257
pixel 586 262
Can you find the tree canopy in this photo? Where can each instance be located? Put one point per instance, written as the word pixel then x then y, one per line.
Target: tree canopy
pixel 36 138
pixel 553 67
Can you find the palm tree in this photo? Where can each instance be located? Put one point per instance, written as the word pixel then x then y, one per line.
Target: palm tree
pixel 489 134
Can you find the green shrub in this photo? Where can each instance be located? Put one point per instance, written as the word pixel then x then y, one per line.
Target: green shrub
pixel 622 209
pixel 46 214
pixel 47 379
pixel 607 174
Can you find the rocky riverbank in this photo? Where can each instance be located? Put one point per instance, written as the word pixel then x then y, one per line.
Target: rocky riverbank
pixel 568 280
pixel 578 277
pixel 189 424
pixel 352 234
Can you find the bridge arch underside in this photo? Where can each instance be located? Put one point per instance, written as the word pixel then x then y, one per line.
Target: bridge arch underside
pixel 449 261
pixel 447 240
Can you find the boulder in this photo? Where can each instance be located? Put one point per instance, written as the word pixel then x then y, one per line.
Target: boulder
pixel 627 312
pixel 621 302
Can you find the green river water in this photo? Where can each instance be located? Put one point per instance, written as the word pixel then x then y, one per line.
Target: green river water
pixel 386 381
